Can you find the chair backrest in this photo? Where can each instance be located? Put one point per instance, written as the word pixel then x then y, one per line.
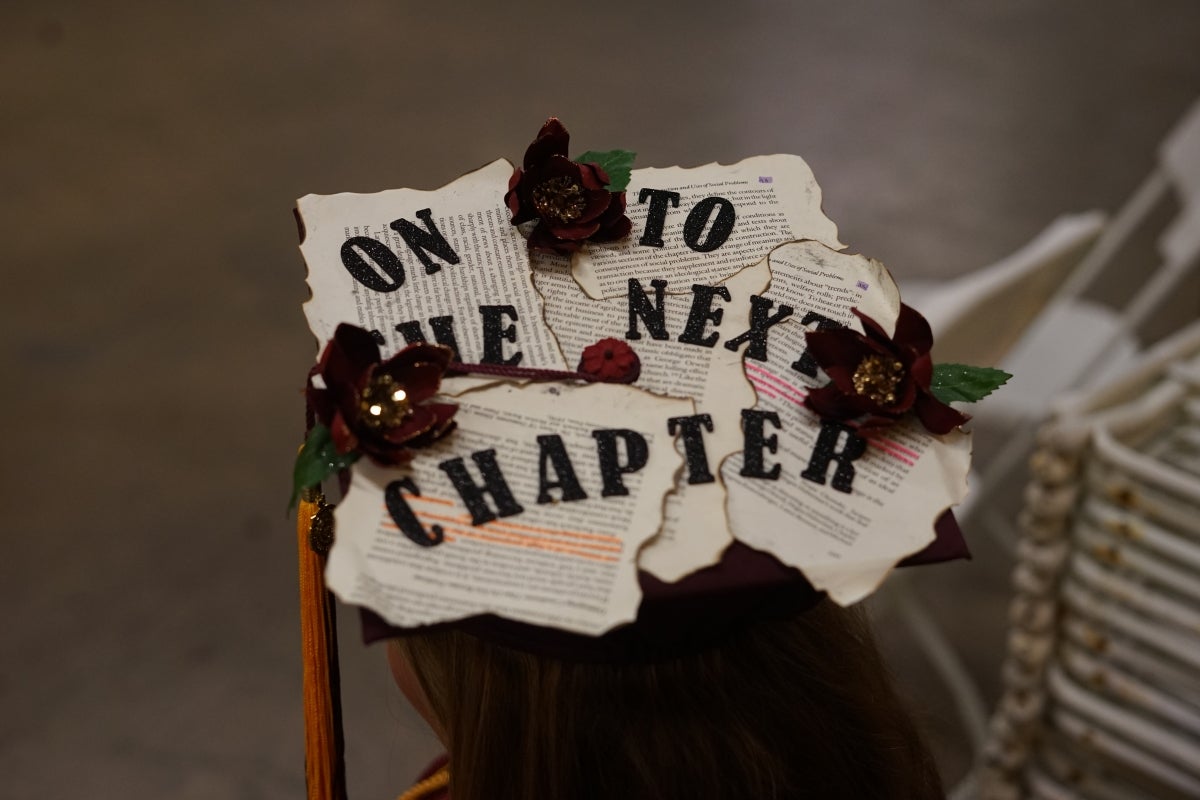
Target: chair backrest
pixel 978 318
pixel 1102 677
pixel 1080 344
pixel 1146 254
pixel 1146 280
pixel 1101 681
pixel 1180 153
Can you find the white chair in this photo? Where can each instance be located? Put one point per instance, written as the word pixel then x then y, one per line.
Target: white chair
pixel 1078 341
pixel 978 318
pixel 1102 678
pixel 1031 314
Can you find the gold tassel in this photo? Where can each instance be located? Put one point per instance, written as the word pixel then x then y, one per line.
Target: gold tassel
pixel 322 756
pixel 436 781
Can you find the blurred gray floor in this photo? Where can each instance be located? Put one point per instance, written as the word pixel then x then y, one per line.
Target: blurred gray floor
pixel 153 345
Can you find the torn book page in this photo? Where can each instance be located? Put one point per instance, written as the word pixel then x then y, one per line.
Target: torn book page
pixel 682 354
pixel 444 266
pixel 843 509
pixel 534 509
pixel 704 224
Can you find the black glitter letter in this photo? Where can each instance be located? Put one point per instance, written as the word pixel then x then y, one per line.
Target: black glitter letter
pixel 760 307
pixel 703 312
pixel 443 333
pixel 722 226
pixel 693 445
pixel 825 450
pixel 657 215
pixel 754 442
pixel 474 496
pixel 554 453
pixel 402 514
pixel 806 364
pixel 611 468
pixel 420 241
pixel 655 316
pixel 381 256
pixel 411 331
pixel 494 335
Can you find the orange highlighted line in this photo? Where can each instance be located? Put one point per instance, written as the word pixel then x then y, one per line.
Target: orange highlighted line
pixel 497 524
pixel 424 498
pixel 535 544
pixel 514 540
pixel 533 528
pixel 599 537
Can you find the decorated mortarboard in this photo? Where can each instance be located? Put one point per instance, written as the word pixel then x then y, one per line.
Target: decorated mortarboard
pixel 601 412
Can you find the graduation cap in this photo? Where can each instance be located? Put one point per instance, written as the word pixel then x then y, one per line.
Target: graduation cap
pixel 605 414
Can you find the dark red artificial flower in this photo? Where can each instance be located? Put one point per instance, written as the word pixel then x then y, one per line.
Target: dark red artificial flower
pixel 879 378
pixel 610 361
pixel 567 198
pixel 378 407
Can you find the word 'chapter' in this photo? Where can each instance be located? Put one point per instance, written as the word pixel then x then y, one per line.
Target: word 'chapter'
pixel 619 452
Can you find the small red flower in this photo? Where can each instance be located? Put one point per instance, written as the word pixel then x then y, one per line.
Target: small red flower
pixel 566 197
pixel 610 361
pixel 378 407
pixel 879 378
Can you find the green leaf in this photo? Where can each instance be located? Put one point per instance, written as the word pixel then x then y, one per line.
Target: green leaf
pixel 617 163
pixel 960 382
pixel 316 461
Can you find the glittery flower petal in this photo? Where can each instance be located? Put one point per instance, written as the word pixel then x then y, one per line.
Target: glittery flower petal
pixel 419 381
pixel 614 224
pixel 872 328
pixel 419 420
pixel 593 177
pixel 936 416
pixel 617 230
pixel 419 353
pixel 556 167
pixel 519 205
pixel 906 395
pixel 920 369
pixel 829 402
pixel 912 330
pixel 344 439
pixel 552 140
pixel 596 206
pixel 348 355
pixel 579 231
pixel 321 402
pixel 418 368
pixel 542 239
pixel 874 425
pixel 838 351
pixel 443 424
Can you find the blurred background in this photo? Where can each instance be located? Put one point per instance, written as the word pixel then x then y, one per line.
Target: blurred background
pixel 153 344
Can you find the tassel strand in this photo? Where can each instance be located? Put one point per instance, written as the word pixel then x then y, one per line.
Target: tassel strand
pixel 322 735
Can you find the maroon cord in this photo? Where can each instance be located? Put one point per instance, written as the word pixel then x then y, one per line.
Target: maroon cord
pixel 506 371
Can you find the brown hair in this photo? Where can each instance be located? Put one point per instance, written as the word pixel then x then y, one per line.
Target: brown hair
pixel 781 709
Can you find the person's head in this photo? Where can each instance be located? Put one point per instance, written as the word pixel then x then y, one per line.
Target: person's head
pixel 781 709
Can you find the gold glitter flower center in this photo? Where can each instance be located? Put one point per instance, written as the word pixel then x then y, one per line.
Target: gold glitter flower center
pixel 877 377
pixel 559 200
pixel 384 404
